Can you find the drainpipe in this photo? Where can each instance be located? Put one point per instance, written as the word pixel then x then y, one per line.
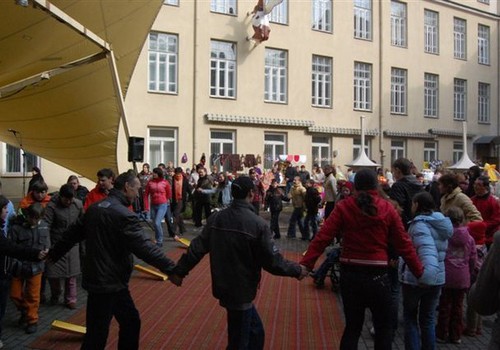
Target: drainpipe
pixel 380 70
pixel 194 106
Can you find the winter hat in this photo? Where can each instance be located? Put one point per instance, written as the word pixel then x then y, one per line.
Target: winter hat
pixel 241 186
pixel 366 179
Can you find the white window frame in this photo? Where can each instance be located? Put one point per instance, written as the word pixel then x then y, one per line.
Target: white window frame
pixel 431 95
pixel 356 147
pixel 220 141
pixel 322 15
pixel 430 151
pixel 169 138
pixel 398 149
pixel 363 19
pixel 222 69
pixel 487 2
pixel 483 44
pixel 459 99
pixel 227 7
pixel 14 166
pixel 276 76
pixel 459 38
pixel 362 86
pixel 322 78
pixel 273 141
pixel 431 31
pixel 399 91
pixel 483 103
pixel 458 151
pixel 398 24
pixel 321 150
pixel 279 14
pixel 171 2
pixel 163 58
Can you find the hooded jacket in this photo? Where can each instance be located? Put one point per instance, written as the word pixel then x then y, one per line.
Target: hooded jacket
pixel 460 259
pixel 459 199
pixel 429 234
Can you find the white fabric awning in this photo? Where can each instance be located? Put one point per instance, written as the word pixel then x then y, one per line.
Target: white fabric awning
pixel 69 112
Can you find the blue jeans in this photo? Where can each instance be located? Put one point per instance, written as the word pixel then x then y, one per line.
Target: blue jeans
pixel 157 214
pixel 296 218
pixel 419 310
pixel 311 220
pixel 245 330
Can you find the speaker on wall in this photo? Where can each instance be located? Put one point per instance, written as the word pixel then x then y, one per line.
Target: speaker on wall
pixel 136 149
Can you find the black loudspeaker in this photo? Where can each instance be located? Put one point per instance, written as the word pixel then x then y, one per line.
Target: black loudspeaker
pixel 136 149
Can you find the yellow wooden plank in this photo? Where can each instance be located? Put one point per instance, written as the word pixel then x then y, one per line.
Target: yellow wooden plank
pixel 183 241
pixel 68 327
pixel 152 272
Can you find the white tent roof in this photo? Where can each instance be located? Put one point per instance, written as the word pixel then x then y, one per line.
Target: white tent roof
pixel 69 112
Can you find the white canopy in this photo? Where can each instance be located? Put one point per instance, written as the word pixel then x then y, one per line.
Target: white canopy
pixel 58 86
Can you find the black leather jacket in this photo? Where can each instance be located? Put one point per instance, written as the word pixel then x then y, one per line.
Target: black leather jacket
pixel 240 246
pixel 113 233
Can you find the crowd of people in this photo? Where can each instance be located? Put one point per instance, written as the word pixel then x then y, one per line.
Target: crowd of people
pixel 403 241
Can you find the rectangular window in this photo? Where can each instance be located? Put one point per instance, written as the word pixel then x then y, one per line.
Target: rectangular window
pixel 459 38
pixel 431 32
pixel 398 149
pixel 398 91
pixel 431 95
pixel 274 146
pixel 321 150
pixel 458 151
pixel 223 6
pixel 363 19
pixel 398 24
pixel 221 142
pixel 321 81
pixel 223 69
pixel 483 103
pixel 430 151
pixel 356 147
pixel 163 62
pixel 483 44
pixel 279 14
pixel 460 99
pixel 322 15
pixel 171 2
pixel 14 164
pixel 276 72
pixel 162 146
pixel 484 1
pixel 362 86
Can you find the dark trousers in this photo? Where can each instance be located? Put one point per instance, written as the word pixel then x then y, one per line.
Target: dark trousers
pixel 169 220
pixel 451 310
pixel 100 310
pixel 4 293
pixel 198 209
pixel 328 209
pixel 366 287
pixel 245 330
pixel 396 297
pixel 296 219
pixel 178 220
pixel 311 220
pixel 275 224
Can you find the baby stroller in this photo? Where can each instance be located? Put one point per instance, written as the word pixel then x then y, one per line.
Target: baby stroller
pixel 329 268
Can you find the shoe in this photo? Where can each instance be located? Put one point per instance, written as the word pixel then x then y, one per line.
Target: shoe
pixel 54 301
pixel 372 331
pixel 457 341
pixel 469 333
pixel 71 306
pixel 319 283
pixel 440 340
pixel 159 244
pixel 22 318
pixel 1 344
pixel 31 328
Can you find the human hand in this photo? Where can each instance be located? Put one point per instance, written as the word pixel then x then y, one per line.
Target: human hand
pixel 304 272
pixel 175 279
pixel 43 254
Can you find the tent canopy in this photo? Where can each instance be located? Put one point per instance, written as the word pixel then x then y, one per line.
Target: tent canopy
pixel 69 110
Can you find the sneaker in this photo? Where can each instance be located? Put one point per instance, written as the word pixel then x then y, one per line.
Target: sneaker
pixel 31 328
pixel 458 341
pixel 159 244
pixel 71 306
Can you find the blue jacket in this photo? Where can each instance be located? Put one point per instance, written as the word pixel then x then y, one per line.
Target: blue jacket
pixel 429 234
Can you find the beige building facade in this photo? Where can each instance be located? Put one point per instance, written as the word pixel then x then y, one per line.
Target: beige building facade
pixel 415 69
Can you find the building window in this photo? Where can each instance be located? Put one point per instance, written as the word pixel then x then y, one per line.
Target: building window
pixel 171 2
pixel 431 32
pixel 362 86
pixel 321 81
pixel 430 151
pixel 398 91
pixel 484 1
pixel 276 72
pixel 321 151
pixel 322 15
pixel 459 99
pixel 483 44
pixel 274 145
pixel 14 161
pixel 398 150
pixel 223 69
pixel 431 95
pixel 356 147
pixel 398 24
pixel 162 146
pixel 363 19
pixel 459 38
pixel 223 6
pixel 279 14
pixel 483 103
pixel 458 151
pixel 163 58
pixel 221 142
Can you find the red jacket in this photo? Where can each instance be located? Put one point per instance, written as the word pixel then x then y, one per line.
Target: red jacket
pixel 159 190
pixel 490 211
pixel 94 196
pixel 365 238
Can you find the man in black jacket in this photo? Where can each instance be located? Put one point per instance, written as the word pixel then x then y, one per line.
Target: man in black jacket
pixel 240 246
pixel 113 233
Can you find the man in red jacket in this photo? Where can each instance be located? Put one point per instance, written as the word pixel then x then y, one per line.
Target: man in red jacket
pixel 488 206
pixel 105 178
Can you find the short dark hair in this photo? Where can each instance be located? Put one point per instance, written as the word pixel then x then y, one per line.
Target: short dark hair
pixel 34 211
pixel 425 202
pixel 403 164
pixel 485 180
pixel 39 186
pixel 158 172
pixel 71 178
pixel 241 187
pixel 365 179
pixel 66 191
pixel 3 201
pixel 449 180
pixel 106 172
pixel 126 177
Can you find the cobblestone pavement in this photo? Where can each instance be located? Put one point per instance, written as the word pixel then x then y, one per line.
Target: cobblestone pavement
pixel 15 338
